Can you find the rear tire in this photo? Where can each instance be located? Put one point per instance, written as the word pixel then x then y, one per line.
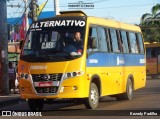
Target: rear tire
pixel 92 101
pixel 36 104
pixel 128 95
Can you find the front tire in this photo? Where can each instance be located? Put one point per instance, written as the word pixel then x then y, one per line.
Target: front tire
pixel 36 104
pixel 92 101
pixel 128 95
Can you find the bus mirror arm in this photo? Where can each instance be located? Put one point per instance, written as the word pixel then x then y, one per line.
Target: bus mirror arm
pixel 21 44
pixel 90 50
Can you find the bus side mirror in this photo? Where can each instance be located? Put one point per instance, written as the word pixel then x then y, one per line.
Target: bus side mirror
pixel 21 44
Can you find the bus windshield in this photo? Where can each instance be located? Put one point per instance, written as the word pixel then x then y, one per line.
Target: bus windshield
pixel 55 40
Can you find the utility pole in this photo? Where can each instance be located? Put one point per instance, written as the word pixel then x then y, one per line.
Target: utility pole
pixel 34 10
pixel 56 6
pixel 26 16
pixel 4 81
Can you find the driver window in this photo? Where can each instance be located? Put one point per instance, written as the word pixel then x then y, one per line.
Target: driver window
pixel 93 38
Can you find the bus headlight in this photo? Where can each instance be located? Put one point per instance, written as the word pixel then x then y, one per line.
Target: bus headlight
pixel 73 74
pixel 24 76
pixel 69 75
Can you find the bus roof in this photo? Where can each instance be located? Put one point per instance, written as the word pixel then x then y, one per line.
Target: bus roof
pixel 114 24
pixel 72 13
pixel 153 44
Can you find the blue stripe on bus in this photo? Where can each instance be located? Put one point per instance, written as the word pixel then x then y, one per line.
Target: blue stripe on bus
pixel 111 59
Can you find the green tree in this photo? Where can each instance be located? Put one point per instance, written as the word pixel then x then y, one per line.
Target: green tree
pixel 150 24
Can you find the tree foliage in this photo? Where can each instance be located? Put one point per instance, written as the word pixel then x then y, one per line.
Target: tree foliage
pixel 150 24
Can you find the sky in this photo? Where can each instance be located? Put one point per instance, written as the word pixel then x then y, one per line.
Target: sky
pixel 128 11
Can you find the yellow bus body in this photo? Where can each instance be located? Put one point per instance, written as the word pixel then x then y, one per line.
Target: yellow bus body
pixel 113 80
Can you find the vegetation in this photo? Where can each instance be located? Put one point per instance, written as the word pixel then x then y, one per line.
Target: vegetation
pixel 150 24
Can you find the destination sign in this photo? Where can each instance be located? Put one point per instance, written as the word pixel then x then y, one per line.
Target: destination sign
pixel 55 23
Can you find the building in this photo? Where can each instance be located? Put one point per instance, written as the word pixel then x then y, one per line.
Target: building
pixel 13 31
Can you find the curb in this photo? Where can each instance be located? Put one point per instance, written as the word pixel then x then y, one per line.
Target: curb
pixel 9 102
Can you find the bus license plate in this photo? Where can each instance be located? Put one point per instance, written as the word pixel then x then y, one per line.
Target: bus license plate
pixel 46 84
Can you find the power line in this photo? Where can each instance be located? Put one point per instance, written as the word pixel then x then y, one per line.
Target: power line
pixel 20 5
pixel 16 10
pixel 13 5
pixel 126 6
pixel 96 1
pixel 100 1
pixel 22 15
pixel 112 6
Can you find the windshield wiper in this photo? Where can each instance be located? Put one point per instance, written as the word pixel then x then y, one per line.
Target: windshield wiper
pixel 59 54
pixel 29 57
pixel 52 56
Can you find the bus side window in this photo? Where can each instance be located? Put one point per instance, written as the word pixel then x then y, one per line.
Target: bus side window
pixel 140 40
pixel 133 42
pixel 89 44
pixel 154 52
pixel 93 38
pixel 123 36
pixel 114 41
pixel 103 39
pixel 120 47
pixel 158 50
pixel 151 52
pixel 108 40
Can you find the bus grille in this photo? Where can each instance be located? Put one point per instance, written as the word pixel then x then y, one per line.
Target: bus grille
pixel 53 89
pixel 53 79
pixel 46 77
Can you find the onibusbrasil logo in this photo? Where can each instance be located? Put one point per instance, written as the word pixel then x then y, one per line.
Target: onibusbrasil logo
pixel 15 113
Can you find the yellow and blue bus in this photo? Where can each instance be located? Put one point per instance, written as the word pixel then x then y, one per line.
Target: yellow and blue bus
pixel 152 59
pixel 109 61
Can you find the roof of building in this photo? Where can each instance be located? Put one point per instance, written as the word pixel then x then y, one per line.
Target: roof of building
pixel 18 20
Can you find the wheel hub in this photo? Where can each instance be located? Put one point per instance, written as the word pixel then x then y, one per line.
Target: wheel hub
pixel 94 96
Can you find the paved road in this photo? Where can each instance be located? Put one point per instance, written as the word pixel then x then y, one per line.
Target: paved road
pixel 147 98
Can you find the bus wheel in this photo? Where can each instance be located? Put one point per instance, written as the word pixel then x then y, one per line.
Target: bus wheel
pixel 92 101
pixel 36 104
pixel 129 92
